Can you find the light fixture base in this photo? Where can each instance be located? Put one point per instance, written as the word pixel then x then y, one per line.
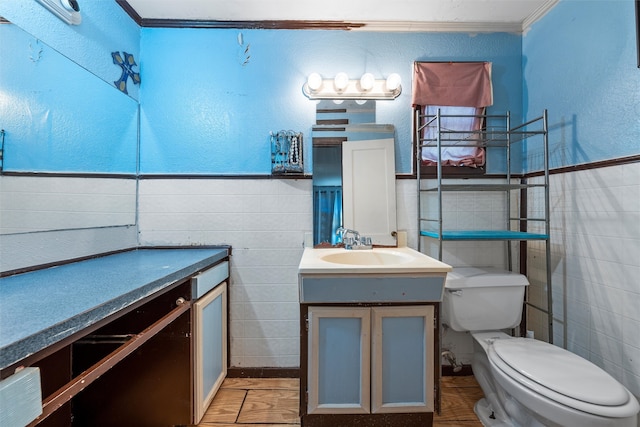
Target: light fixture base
pixel 64 9
pixel 351 91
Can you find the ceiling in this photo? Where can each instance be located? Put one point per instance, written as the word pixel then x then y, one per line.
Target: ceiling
pixel 371 15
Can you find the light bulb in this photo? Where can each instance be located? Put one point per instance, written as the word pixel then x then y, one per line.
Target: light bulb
pixel 366 82
pixel 70 5
pixel 314 81
pixel 341 81
pixel 393 82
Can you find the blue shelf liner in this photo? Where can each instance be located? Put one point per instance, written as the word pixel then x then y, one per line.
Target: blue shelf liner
pixel 484 235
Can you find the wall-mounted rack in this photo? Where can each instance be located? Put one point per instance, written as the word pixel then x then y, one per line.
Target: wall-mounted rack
pixel 286 152
pixel 1 149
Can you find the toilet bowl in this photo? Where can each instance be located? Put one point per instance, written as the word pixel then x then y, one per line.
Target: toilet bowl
pixel 527 382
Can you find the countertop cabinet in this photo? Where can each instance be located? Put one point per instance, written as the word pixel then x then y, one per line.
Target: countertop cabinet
pixel 113 337
pixel 149 387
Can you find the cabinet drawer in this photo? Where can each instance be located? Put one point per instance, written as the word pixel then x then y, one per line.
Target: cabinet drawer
pixel 331 289
pixel 209 279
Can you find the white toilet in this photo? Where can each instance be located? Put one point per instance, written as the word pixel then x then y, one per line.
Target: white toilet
pixel 527 382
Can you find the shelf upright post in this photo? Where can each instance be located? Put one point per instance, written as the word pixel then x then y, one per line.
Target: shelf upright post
pixel 508 210
pixel 419 143
pixel 439 141
pixel 547 212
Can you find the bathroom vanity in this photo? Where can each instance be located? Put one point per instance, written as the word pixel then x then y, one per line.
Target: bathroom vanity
pixel 132 338
pixel 369 336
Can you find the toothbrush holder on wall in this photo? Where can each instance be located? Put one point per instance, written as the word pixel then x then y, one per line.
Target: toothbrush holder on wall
pixel 286 152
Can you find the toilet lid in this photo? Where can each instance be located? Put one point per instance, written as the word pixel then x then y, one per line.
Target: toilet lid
pixel 560 371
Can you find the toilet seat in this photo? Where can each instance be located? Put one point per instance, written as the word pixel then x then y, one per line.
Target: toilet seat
pixel 561 376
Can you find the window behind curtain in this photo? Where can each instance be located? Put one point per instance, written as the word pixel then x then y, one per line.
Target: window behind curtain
pixel 456 88
pixel 466 151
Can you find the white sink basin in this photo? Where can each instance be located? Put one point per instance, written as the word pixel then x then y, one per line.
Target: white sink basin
pixel 367 257
pixel 368 261
pixel 398 274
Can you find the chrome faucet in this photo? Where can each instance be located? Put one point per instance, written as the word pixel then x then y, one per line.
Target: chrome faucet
pixel 355 242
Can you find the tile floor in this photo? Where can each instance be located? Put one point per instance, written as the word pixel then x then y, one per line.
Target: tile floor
pixel 273 402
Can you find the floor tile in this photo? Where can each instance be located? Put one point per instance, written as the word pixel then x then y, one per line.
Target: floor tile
pixel 457 404
pixel 270 406
pixel 461 381
pixel 437 423
pixel 459 395
pixel 225 406
pixel 273 402
pixel 245 425
pixel 262 383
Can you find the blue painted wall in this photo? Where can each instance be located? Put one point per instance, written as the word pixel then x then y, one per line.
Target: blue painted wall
pixel 57 116
pixel 58 104
pixel 580 63
pixel 105 28
pixel 211 97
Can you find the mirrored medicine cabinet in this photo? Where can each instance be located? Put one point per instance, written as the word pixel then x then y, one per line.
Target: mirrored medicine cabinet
pixel 337 124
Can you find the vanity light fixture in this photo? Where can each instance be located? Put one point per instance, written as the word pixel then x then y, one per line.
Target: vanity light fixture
pixel 341 87
pixel 67 10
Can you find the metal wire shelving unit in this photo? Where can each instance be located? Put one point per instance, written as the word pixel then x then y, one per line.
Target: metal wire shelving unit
pixel 497 133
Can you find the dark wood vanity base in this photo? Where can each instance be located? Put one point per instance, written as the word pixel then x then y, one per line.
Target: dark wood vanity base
pixel 368 420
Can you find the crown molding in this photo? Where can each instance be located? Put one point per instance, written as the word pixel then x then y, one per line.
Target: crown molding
pixel 537 14
pixel 373 26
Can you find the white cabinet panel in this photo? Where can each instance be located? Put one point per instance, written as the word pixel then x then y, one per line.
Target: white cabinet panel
pixel 210 328
pixel 339 348
pixel 402 363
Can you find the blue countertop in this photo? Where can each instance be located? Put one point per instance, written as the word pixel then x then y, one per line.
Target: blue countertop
pixel 41 308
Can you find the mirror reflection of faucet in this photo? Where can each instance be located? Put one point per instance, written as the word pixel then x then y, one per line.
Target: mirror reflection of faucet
pixel 355 242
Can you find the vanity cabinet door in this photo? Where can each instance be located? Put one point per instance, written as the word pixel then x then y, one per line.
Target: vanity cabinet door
pixel 210 344
pixel 339 360
pixel 402 367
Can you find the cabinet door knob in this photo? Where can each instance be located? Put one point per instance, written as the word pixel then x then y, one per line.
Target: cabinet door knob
pixel 180 301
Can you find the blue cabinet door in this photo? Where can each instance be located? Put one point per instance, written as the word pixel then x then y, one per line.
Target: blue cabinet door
pixel 210 328
pixel 339 360
pixel 402 366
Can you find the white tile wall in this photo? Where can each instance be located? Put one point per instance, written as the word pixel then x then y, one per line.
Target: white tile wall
pixel 264 221
pixel 50 219
pixel 468 211
pixel 595 233
pixel 595 241
pixel 30 204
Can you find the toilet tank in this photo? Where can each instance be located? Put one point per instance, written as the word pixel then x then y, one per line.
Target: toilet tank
pixel 483 299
